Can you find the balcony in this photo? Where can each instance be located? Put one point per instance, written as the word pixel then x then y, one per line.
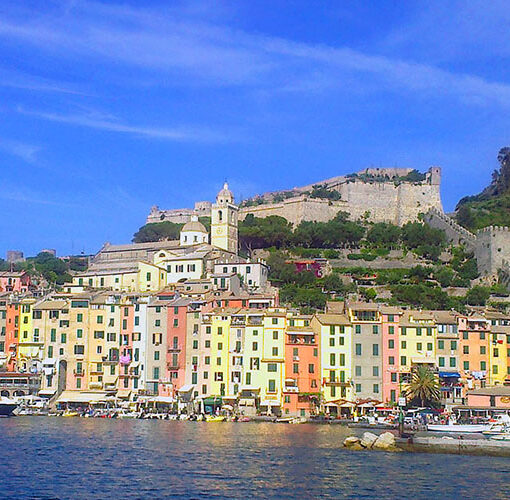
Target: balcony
pixel 95 385
pixel 174 348
pixel 335 382
pixel 173 366
pixel 79 373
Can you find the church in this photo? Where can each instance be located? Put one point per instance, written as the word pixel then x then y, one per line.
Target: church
pixel 146 267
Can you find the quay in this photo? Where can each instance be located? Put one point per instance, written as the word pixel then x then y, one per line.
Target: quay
pixel 457 446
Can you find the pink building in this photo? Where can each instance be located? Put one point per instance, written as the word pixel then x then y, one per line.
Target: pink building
pixel 14 281
pixel 489 397
pixel 390 353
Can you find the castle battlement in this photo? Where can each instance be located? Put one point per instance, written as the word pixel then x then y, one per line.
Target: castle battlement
pixel 494 229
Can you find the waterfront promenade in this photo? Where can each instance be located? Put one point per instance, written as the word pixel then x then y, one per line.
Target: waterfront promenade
pixel 97 458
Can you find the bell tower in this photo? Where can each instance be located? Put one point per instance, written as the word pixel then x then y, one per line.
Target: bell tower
pixel 224 221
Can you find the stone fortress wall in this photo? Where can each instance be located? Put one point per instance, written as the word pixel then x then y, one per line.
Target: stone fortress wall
pixel 382 201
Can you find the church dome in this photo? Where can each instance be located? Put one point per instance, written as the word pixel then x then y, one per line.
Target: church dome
pixel 225 195
pixel 194 225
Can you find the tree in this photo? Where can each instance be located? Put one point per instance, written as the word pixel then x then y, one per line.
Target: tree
pixel 384 234
pixel 478 295
pixel 424 386
pixel 158 231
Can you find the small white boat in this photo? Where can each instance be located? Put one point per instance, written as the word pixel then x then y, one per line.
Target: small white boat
pixel 501 437
pixel 458 428
pixel 7 406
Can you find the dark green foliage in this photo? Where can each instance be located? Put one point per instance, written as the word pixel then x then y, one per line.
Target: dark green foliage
pixel 78 263
pixel 423 239
pixel 51 268
pixel 331 254
pixel 303 296
pixel 464 263
pixel 4 265
pixel 384 234
pixel 444 275
pixel 158 231
pixel 413 176
pixel 478 296
pixel 324 192
pixel 272 231
pixel 421 295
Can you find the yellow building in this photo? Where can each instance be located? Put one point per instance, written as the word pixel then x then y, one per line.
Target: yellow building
pixel 418 335
pixel 219 357
pixel 124 276
pixel 31 343
pixel 335 340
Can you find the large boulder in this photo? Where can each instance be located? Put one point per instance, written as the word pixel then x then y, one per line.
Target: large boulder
pixel 350 441
pixel 386 441
pixel 368 440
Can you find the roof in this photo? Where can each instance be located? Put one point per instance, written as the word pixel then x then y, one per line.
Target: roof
pixel 445 317
pixel 51 305
pixel 194 225
pixel 363 306
pixel 333 319
pixel 12 274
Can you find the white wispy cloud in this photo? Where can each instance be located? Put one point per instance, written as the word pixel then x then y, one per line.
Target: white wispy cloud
pixel 182 49
pixel 27 152
pixel 27 195
pixel 100 121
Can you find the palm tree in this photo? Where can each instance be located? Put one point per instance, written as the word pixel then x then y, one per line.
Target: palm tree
pixel 424 386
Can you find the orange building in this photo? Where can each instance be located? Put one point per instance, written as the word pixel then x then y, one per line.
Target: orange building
pixel 301 391
pixel 474 333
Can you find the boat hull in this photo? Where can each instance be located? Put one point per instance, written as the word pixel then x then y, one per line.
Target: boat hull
pixel 6 409
pixel 458 428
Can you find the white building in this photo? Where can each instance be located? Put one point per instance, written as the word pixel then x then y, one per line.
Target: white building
pixel 254 274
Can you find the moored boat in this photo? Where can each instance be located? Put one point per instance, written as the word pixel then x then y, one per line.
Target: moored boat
pixel 214 418
pixel 458 428
pixel 7 406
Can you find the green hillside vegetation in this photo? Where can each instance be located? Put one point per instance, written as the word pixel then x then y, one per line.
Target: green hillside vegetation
pixel 492 206
pixel 52 269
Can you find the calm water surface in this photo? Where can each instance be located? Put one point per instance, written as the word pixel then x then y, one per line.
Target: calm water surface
pixel 95 458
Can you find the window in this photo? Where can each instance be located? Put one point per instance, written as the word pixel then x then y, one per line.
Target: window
pixel 295 368
pixel 220 346
pixel 332 329
pixel 357 371
pixel 358 387
pixel 418 331
pixel 466 365
pixel 375 329
pixel 496 352
pixel 403 344
pixel 275 321
pixel 157 322
pixel 332 342
pixel 208 343
pixel 429 332
pixel 137 320
pixel 311 368
pixel 342 359
pixel 195 344
pixel 79 318
pixel 272 367
pixel 375 349
pixel 391 330
pixel 316 352
pixel 403 331
pixel 98 334
pixel 376 388
pixel 156 355
pixel 391 360
pixel 271 386
pixel 453 363
pixel 220 330
pixel 255 346
pixel 155 373
pixel 403 360
pixel 453 345
pixel 357 329
pixel 465 335
pixel 483 350
pixel 494 369
pixel 440 344
pixel 99 319
pixel 176 322
pixel 218 361
pixel 482 335
pixel 441 361
pixel 248 378
pixel 79 349
pixel 391 318
pixel 465 349
pixel 79 333
pixel 483 365
pixel 419 346
pixel 393 377
pixel 332 359
pixel 207 360
pixel 63 338
pixel 375 371
pixel 275 351
pixel 357 348
pixel 391 344
pixel 429 346
pixel 275 335
pixel 393 395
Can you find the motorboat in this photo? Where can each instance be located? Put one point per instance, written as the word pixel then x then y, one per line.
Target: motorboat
pixel 501 426
pixel 459 428
pixel 215 418
pixel 7 406
pixel 501 437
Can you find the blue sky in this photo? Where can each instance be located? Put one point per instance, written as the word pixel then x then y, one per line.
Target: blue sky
pixel 107 108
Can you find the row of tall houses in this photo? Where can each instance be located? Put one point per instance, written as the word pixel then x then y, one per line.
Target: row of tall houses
pixel 244 349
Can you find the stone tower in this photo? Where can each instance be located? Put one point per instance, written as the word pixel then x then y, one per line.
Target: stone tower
pixel 224 221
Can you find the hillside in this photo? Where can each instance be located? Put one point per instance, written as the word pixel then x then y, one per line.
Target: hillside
pixel 492 206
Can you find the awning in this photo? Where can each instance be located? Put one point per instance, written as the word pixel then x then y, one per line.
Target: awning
pixel 124 393
pixel 449 375
pixel 214 400
pixel 270 402
pixel 47 392
pixel 80 397
pixel 186 388
pixel 160 399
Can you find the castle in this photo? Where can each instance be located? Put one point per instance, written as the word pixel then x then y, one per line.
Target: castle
pixel 380 194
